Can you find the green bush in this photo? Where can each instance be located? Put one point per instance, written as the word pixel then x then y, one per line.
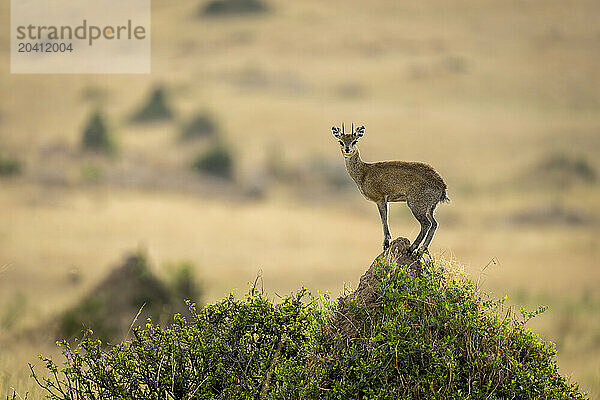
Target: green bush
pixel 233 7
pixel 96 136
pixel 424 337
pixel 156 108
pixel 216 161
pixel 432 338
pixel 231 350
pixel 200 126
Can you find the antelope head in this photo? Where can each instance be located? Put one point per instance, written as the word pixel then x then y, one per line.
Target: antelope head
pixel 348 141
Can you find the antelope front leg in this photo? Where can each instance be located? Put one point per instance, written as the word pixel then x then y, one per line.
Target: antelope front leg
pixel 383 212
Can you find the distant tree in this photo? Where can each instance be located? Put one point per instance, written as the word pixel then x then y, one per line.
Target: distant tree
pixel 96 136
pixel 217 8
pixel 156 108
pixel 9 166
pixel 201 125
pixel 216 161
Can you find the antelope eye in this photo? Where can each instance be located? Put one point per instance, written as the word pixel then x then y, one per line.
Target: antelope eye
pixel 353 142
pixel 340 142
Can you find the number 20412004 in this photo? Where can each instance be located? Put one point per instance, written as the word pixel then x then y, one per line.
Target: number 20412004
pixel 25 47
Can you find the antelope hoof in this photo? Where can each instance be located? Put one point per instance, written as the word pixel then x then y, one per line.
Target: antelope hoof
pixel 418 253
pixel 386 244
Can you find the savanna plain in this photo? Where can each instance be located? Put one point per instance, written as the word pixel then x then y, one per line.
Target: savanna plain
pixel 222 159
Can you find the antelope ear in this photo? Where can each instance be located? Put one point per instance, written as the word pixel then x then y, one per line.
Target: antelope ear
pixel 336 131
pixel 360 131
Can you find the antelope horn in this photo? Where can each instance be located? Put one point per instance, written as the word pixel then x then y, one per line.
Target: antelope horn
pixel 343 129
pixel 353 128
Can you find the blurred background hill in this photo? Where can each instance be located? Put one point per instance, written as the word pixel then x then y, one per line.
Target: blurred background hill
pixel 222 159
